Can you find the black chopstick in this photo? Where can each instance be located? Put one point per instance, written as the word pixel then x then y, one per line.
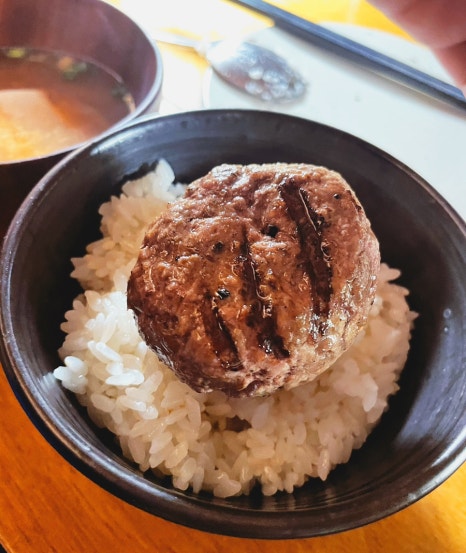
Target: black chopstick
pixel 351 50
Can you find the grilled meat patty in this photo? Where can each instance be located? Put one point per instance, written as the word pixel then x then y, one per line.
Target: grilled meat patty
pixel 257 279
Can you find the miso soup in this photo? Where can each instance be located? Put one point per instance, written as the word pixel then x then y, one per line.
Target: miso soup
pixel 50 101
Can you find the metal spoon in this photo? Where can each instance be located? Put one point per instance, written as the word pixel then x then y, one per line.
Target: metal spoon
pixel 248 66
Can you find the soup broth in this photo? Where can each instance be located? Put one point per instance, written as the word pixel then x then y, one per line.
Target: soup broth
pixel 50 101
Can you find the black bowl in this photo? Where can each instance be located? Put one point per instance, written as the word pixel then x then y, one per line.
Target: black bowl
pixel 87 29
pixel 420 441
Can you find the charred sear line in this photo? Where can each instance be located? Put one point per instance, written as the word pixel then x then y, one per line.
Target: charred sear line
pixel 315 254
pixel 261 311
pixel 222 341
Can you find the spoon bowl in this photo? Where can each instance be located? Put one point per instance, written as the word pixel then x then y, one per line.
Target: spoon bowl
pixel 250 67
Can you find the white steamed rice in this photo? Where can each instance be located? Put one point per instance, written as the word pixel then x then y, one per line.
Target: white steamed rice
pixel 208 441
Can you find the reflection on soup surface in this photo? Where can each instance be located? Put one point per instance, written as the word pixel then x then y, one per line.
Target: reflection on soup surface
pixel 50 101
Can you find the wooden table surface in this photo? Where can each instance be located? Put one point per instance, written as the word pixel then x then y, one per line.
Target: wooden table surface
pixel 48 506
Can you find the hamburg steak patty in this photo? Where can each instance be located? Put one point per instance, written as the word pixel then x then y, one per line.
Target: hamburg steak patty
pixel 257 279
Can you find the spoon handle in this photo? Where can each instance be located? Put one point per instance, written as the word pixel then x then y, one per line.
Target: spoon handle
pixel 351 50
pixel 178 40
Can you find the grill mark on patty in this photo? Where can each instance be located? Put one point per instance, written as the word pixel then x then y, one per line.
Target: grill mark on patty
pixel 222 342
pixel 309 225
pixel 261 311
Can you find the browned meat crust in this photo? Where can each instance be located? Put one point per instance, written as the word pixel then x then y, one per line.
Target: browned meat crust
pixel 257 279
